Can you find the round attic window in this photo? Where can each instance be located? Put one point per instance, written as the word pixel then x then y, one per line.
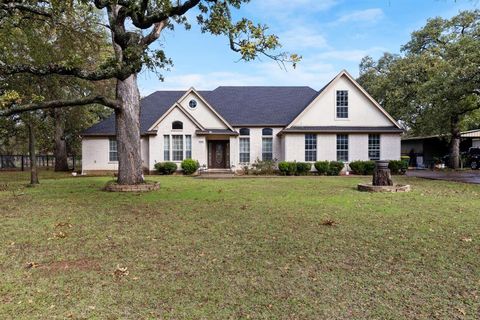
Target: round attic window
pixel 192 104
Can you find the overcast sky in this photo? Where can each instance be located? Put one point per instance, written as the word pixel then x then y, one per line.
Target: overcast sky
pixel 331 35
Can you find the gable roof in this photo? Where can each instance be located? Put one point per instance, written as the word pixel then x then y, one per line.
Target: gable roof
pixel 358 86
pixel 236 106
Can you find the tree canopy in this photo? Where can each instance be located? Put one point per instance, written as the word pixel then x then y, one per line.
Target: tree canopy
pixel 132 25
pixel 434 85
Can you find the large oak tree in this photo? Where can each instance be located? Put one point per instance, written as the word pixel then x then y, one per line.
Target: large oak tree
pixel 134 25
pixel 434 86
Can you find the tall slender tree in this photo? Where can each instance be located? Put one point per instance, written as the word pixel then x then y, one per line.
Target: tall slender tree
pixel 134 25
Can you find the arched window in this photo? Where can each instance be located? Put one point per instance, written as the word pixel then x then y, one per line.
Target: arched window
pixel 267 132
pixel 244 132
pixel 177 125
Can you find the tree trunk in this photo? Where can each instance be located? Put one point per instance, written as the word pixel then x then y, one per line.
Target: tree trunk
pixel 61 159
pixel 381 174
pixel 33 157
pixel 128 132
pixel 455 145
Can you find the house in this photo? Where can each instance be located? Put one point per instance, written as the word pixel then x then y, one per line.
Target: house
pixel 424 151
pixel 230 127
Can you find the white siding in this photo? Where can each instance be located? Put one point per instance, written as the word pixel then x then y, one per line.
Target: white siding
pixel 145 151
pixel 95 154
pixel 390 145
pixel 256 145
pixel 361 111
pixel 327 147
pixel 165 128
pixel 202 113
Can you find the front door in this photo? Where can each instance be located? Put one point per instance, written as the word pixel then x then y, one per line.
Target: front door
pixel 217 154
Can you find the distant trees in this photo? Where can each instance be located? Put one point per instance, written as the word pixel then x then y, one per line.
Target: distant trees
pixel 434 86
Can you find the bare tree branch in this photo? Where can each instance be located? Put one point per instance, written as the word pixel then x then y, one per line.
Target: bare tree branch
pixel 155 33
pixel 111 103
pixel 143 21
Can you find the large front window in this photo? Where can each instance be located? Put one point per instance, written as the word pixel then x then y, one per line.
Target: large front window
pixel 113 151
pixel 267 149
pixel 310 147
pixel 342 104
pixel 166 148
pixel 177 147
pixel 188 147
pixel 342 147
pixel 244 150
pixel 267 144
pixel 374 146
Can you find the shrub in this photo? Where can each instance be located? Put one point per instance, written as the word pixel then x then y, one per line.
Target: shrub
pixel 303 168
pixel 322 167
pixel 189 166
pixel 287 168
pixel 334 168
pixel 397 166
pixel 362 167
pixel 264 167
pixel 405 159
pixel 165 167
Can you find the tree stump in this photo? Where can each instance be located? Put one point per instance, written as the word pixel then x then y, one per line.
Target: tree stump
pixel 381 174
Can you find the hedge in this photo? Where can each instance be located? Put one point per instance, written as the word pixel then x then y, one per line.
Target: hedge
pixel 332 168
pixel 303 168
pixel 165 167
pixel 362 167
pixel 189 166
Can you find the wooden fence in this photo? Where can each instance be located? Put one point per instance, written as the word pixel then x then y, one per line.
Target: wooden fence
pixel 22 162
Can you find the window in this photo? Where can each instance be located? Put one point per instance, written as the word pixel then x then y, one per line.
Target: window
pixel 188 147
pixel 267 144
pixel 113 151
pixel 310 147
pixel 342 147
pixel 244 132
pixel 267 149
pixel 342 104
pixel 374 146
pixel 244 150
pixel 166 148
pixel 192 104
pixel 177 125
pixel 267 132
pixel 177 148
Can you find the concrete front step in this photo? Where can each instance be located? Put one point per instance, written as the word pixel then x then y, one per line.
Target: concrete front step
pixel 216 173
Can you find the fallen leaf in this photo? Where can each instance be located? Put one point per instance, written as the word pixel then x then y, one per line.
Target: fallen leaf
pixel 32 265
pixel 328 222
pixel 60 235
pixel 120 272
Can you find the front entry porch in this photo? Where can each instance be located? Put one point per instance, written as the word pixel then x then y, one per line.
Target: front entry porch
pixel 218 154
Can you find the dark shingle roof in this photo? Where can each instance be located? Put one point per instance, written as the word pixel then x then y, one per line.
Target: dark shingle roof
pixel 260 105
pixel 239 106
pixel 152 108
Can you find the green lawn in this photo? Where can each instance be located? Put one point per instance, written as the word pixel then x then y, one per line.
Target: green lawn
pixel 238 249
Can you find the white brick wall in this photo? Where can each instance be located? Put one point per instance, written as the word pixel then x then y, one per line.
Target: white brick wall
pixel 327 147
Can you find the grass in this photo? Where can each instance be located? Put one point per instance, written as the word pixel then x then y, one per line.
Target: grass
pixel 300 248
